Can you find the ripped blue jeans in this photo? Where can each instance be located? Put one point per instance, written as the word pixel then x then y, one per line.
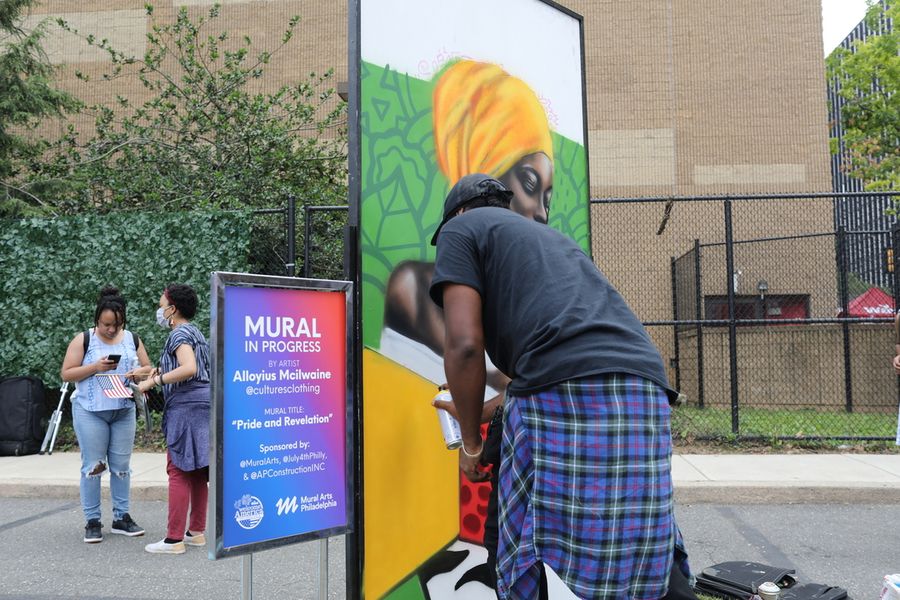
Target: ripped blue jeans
pixel 106 439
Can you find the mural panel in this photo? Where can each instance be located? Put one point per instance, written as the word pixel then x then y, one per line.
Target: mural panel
pixel 447 89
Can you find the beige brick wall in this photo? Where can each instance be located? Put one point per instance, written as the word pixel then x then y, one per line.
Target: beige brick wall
pixel 685 98
pixel 694 97
pixel 124 29
pixel 775 366
pixel 319 43
pixel 632 157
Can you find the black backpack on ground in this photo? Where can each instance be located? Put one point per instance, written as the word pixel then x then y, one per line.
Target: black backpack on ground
pixel 23 415
pixel 738 580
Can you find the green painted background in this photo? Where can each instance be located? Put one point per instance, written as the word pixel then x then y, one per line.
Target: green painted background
pixel 402 190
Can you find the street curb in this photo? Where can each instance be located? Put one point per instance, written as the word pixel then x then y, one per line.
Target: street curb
pixel 68 491
pixel 785 494
pixel 736 493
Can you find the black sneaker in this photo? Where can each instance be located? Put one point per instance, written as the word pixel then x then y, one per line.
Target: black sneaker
pixel 92 533
pixel 126 526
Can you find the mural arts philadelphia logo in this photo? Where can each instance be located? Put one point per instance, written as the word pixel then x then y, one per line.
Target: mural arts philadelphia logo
pixel 286 505
pixel 248 511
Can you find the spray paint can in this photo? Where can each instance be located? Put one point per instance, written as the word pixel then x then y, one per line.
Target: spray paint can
pixel 449 425
pixel 768 591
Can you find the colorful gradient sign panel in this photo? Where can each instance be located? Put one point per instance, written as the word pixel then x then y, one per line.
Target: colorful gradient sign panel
pixel 284 425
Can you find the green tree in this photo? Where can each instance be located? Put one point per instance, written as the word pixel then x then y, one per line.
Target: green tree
pixel 203 139
pixel 869 80
pixel 27 96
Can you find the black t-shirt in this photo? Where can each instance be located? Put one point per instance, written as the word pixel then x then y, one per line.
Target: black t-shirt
pixel 549 314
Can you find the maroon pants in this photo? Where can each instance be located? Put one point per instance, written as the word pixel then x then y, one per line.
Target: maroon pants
pixel 186 488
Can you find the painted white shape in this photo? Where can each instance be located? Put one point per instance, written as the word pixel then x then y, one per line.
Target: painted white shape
pixel 528 38
pixel 420 359
pixel 440 587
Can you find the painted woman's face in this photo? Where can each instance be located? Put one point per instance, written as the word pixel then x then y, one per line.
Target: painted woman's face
pixel 531 182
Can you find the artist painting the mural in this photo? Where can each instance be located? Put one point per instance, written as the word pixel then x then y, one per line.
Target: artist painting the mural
pixel 447 92
pixel 585 482
pixel 484 120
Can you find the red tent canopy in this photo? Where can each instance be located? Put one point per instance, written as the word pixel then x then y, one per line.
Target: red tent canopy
pixel 872 303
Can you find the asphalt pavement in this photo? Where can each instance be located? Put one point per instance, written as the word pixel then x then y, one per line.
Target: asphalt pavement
pixel 725 478
pixel 832 517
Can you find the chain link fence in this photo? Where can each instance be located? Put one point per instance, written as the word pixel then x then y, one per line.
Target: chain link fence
pixel 324 242
pixel 774 322
pixel 311 247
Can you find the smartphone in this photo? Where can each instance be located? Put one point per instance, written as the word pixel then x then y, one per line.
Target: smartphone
pixel 114 357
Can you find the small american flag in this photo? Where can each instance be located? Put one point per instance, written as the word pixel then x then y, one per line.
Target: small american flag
pixel 113 386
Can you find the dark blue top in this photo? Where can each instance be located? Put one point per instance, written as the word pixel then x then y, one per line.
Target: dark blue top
pixel 549 314
pixel 186 414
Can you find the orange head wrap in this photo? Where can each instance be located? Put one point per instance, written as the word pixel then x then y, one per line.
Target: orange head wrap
pixel 485 120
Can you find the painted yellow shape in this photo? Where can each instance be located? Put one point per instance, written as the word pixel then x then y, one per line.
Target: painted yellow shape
pixel 411 493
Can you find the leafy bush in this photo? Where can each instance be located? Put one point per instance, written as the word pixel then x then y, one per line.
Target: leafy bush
pixel 203 134
pixel 51 271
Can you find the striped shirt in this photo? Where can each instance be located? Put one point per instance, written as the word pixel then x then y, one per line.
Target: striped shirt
pixel 186 333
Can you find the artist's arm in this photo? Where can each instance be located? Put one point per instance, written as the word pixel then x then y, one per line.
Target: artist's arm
pixel 465 370
pixel 187 368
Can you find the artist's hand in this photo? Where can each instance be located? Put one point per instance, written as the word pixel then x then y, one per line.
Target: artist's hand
pixel 470 463
pixel 446 405
pixel 487 412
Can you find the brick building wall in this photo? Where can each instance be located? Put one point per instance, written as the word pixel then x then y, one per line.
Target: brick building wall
pixel 683 98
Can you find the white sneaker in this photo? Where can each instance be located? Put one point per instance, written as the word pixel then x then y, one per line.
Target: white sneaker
pixel 198 539
pixel 161 547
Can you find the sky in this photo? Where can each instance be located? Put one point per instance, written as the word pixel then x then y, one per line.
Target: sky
pixel 839 17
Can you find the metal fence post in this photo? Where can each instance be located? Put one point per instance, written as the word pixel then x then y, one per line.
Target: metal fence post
pixel 895 280
pixel 732 325
pixel 698 315
pixel 845 326
pixel 675 327
pixel 290 265
pixel 307 227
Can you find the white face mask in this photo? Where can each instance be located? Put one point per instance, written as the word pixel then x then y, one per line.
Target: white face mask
pixel 161 317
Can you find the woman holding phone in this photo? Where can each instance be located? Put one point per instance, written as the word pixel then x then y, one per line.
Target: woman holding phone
pixel 104 426
pixel 183 374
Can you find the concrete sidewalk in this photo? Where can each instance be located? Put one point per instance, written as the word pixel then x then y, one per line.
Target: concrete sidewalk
pixel 720 478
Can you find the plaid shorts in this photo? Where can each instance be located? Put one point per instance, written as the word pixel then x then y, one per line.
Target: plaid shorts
pixel 586 488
